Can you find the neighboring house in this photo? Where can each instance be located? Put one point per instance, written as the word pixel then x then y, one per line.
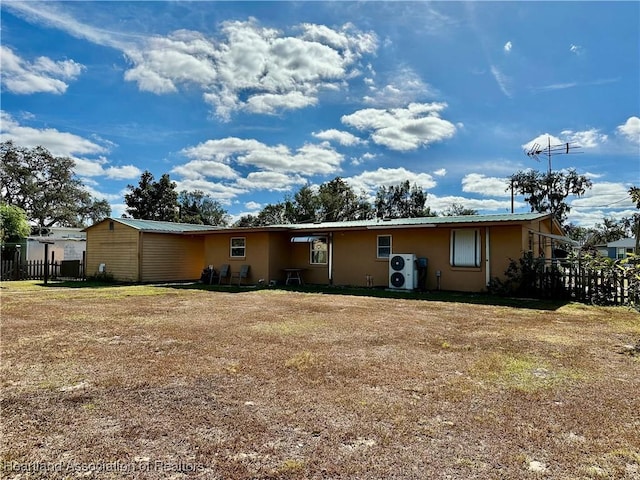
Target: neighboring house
pixel 621 248
pixel 462 253
pixel 68 244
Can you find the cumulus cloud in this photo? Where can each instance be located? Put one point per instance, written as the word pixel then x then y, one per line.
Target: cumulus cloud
pixel 272 181
pixel 440 172
pixel 369 181
pixel 507 47
pixel 86 154
pixel 250 67
pixel 197 169
pixel 630 130
pixel 587 139
pixel 58 143
pixel 343 138
pixel 604 194
pixel 439 204
pixel 402 129
pixel 43 75
pixel 483 185
pixel 310 159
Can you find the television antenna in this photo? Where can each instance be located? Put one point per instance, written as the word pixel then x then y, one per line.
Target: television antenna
pixel 537 150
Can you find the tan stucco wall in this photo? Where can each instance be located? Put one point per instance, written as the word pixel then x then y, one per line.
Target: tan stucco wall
pixel 117 249
pixel 217 251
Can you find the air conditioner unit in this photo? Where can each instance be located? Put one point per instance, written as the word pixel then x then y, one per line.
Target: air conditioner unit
pixel 403 271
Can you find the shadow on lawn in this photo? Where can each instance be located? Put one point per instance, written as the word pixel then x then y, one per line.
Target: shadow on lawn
pixel 379 292
pixel 435 296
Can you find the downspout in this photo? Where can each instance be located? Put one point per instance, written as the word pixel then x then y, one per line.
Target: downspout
pixel 330 258
pixel 487 256
pixel 140 257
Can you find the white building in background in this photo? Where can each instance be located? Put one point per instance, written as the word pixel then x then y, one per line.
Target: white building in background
pixel 68 244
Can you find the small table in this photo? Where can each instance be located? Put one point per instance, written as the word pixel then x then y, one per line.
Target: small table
pixel 294 274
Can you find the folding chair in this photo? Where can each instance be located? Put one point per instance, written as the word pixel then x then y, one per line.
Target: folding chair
pixel 223 273
pixel 243 273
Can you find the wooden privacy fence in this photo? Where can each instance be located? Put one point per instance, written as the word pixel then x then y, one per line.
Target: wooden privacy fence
pixel 582 282
pixel 35 269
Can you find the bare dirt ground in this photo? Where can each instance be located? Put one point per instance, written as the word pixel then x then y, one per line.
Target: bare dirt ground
pixel 158 382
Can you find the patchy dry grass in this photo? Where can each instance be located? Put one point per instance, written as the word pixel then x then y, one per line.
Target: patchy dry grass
pixel 157 382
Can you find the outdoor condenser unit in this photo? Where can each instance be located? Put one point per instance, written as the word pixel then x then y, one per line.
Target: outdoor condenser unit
pixel 403 271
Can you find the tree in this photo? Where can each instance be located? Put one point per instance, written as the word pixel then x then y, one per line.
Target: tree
pixel 305 205
pixel 609 230
pixel 401 201
pixel 547 192
pixel 457 210
pixel 339 203
pixel 274 214
pixel 198 207
pixel 13 223
pixel 634 192
pixel 152 200
pixel 46 188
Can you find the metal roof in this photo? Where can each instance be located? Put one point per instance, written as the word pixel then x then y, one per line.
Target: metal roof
pixel 163 227
pixel 421 221
pixel 178 228
pixel 623 243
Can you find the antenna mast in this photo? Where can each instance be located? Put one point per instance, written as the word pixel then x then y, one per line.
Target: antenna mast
pixel 550 150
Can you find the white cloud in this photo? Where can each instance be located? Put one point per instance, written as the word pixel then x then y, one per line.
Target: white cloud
pixel 440 204
pixel 253 206
pixel 310 159
pixel 222 192
pixel 58 143
pixel 343 138
pixel 440 172
pixel 586 139
pixel 197 169
pixel 249 67
pixel 41 76
pixel 123 173
pixel 410 128
pixel 504 82
pixel 631 130
pixel 604 195
pixel 272 181
pixel 508 46
pixel 369 181
pixel 65 144
pixel 405 86
pixel 487 186
pixel 576 49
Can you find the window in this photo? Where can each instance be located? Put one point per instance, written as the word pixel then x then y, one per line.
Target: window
pixel 319 250
pixel 623 252
pixel 384 246
pixel 238 246
pixel 111 226
pixel 465 248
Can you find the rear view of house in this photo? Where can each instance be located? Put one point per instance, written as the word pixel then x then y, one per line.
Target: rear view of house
pixel 453 253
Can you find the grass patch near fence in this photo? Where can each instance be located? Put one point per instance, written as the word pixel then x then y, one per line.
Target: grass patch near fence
pixel 247 383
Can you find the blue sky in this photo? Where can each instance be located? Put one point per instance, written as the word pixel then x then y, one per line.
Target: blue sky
pixel 249 101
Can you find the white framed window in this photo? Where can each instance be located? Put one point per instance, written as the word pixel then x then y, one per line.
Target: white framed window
pixel 384 246
pixel 238 246
pixel 319 249
pixel 465 248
